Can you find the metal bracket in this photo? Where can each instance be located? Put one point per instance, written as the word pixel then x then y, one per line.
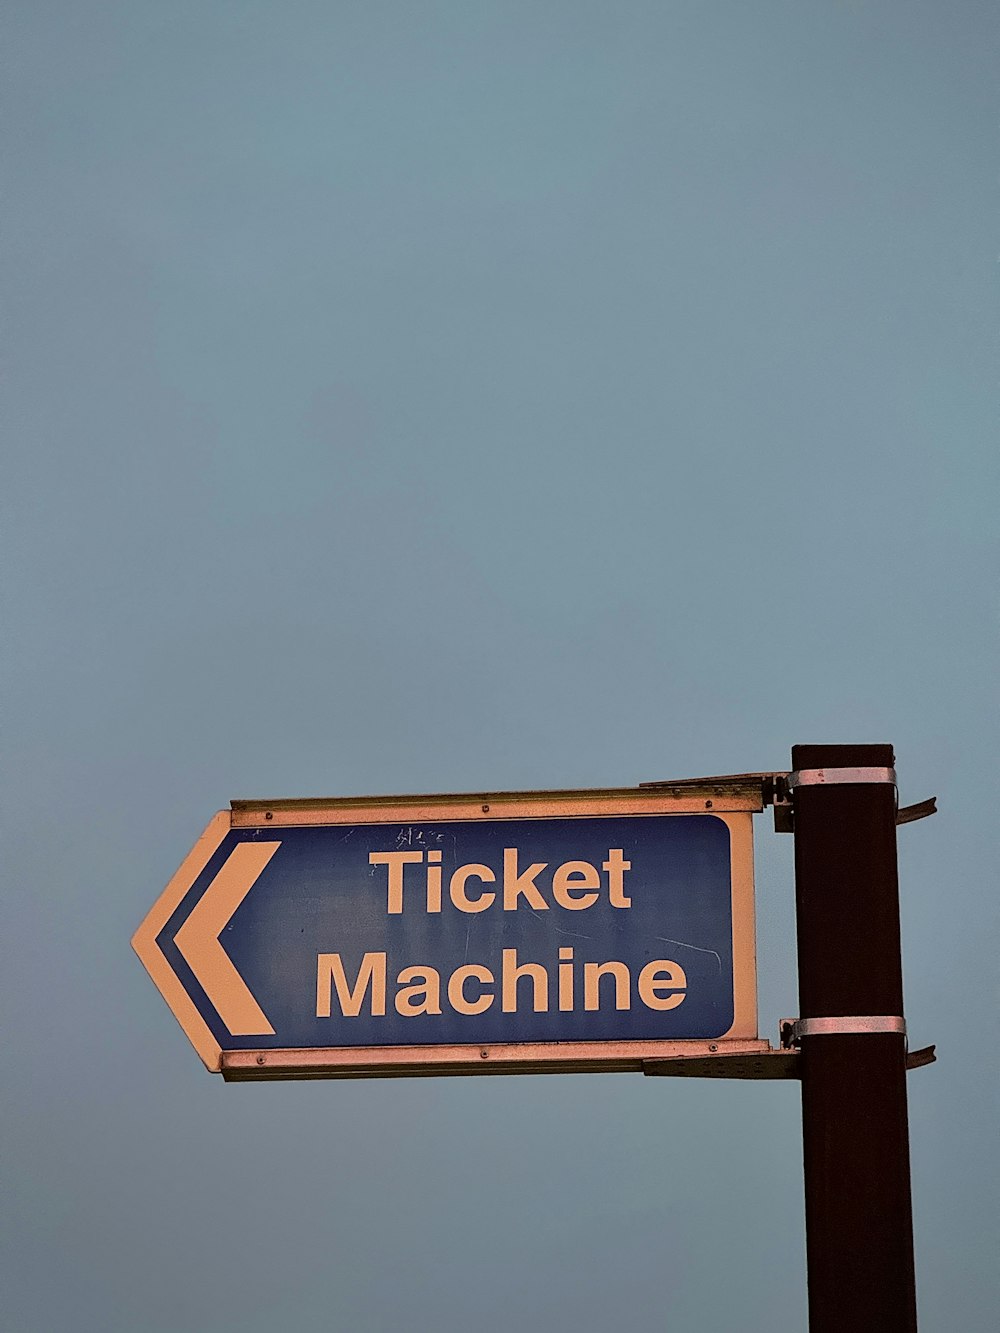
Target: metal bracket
pixel 776 789
pixel 791 1030
pixel 821 777
pixel 770 1064
pixel 906 814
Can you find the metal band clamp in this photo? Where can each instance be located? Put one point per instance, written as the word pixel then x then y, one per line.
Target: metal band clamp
pixel 822 777
pixel 792 1029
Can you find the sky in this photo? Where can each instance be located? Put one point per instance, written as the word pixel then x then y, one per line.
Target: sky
pixel 445 397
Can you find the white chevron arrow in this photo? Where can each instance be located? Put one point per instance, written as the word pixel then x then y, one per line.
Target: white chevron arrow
pixel 198 940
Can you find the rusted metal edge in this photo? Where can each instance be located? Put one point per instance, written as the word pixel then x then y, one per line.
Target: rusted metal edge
pixel 769 785
pixel 687 788
pixel 415 1061
pixel 490 806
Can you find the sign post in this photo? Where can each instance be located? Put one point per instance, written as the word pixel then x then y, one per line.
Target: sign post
pixel 859 1234
pixel 530 932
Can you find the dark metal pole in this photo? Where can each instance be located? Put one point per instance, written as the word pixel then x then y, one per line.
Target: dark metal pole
pixel 859 1232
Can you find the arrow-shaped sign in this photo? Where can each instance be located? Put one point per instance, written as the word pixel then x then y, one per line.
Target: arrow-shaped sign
pixel 566 927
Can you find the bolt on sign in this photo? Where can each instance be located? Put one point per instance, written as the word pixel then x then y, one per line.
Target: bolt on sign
pixel 508 932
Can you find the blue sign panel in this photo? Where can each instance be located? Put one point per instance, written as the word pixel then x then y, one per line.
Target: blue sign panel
pixel 605 928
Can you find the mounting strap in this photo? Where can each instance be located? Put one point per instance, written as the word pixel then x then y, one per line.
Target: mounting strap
pixel 792 1029
pixel 821 777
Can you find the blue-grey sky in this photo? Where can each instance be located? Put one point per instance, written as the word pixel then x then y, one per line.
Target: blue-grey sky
pixel 443 396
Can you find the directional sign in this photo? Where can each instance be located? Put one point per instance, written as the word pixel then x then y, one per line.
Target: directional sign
pixel 557 930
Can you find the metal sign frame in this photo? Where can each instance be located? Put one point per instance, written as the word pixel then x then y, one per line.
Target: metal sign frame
pixel 732 802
